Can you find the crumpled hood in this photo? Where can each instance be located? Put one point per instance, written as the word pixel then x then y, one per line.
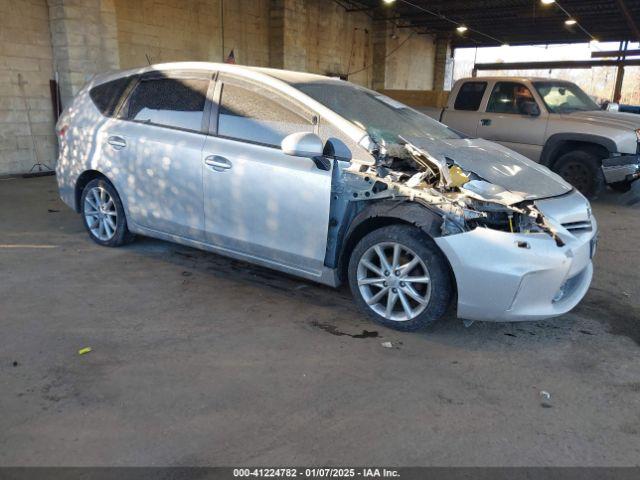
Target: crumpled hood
pixel 603 118
pixel 497 165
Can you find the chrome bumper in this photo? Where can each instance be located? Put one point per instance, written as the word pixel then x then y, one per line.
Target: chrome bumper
pixel 625 168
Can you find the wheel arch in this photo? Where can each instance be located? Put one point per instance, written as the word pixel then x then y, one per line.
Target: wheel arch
pixel 384 213
pixel 561 143
pixel 82 181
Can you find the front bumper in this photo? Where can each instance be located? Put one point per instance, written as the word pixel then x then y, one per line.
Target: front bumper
pixel 623 168
pixel 504 277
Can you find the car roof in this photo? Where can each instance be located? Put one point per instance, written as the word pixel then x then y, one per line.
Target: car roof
pixel 287 76
pixel 292 77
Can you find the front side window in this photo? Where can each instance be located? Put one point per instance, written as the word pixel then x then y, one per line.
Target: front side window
pixel 258 115
pixel 169 102
pixel 509 97
pixel 564 97
pixel 470 96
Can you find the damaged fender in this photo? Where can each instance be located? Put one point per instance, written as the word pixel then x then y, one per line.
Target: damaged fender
pixel 376 212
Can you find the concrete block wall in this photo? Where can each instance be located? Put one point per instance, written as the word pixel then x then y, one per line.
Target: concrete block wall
pixel 411 66
pixel 443 64
pixel 26 114
pixel 77 38
pixel 166 31
pixel 84 40
pixel 276 33
pixel 381 32
pixel 320 37
pixel 246 31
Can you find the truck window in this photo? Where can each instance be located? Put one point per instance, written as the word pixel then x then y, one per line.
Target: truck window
pixel 564 97
pixel 470 96
pixel 509 97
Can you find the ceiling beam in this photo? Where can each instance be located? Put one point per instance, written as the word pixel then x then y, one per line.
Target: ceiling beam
pixel 615 53
pixel 554 65
pixel 630 20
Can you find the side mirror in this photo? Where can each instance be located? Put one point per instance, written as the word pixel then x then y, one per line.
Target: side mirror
pixel 303 144
pixel 336 148
pixel 613 107
pixel 530 108
pixel 308 145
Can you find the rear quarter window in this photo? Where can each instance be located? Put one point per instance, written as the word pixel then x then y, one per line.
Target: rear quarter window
pixel 107 96
pixel 470 95
pixel 169 102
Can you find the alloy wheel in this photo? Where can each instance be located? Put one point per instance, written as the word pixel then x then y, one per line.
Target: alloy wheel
pixel 394 281
pixel 100 213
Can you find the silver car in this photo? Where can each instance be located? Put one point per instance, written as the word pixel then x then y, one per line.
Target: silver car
pixel 328 181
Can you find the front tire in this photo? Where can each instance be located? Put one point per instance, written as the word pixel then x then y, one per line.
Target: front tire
pixel 103 214
pixel 399 278
pixel 622 187
pixel 581 169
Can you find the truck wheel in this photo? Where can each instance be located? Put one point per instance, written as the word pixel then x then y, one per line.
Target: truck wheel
pixel 399 278
pixel 621 187
pixel 582 170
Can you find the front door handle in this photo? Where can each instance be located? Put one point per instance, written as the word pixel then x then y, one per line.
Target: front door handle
pixel 485 122
pixel 217 163
pixel 117 142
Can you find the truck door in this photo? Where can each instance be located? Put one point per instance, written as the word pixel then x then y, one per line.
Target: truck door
pixel 464 114
pixel 509 120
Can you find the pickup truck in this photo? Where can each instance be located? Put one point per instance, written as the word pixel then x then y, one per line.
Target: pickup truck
pixel 552 122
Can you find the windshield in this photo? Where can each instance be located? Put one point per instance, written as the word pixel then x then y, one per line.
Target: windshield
pixel 564 97
pixel 382 117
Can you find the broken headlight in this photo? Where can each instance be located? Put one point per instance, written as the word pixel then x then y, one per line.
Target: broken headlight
pixel 500 217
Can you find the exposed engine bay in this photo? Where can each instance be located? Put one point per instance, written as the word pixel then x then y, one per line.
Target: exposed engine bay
pixel 462 198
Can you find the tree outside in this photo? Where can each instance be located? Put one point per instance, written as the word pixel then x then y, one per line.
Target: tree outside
pixel 599 82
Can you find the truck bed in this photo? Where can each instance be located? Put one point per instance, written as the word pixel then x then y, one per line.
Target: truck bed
pixel 433 112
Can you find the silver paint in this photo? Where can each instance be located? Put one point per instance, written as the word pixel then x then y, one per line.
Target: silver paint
pixel 259 204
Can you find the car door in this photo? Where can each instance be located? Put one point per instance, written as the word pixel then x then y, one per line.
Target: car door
pixel 164 136
pixel 259 201
pixel 504 121
pixel 465 115
pixel 100 145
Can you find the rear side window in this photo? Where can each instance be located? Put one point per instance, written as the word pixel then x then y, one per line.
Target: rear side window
pixel 169 102
pixel 107 96
pixel 258 115
pixel 470 96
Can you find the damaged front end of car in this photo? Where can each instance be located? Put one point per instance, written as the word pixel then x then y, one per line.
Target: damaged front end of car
pixel 462 198
pixel 500 243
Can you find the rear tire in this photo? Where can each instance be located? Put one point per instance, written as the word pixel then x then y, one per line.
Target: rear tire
pixel 392 292
pixel 583 170
pixel 103 215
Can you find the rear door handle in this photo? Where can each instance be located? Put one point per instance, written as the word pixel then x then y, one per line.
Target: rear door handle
pixel 485 122
pixel 117 142
pixel 217 163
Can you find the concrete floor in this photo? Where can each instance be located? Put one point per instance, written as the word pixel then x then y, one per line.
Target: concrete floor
pixel 200 360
